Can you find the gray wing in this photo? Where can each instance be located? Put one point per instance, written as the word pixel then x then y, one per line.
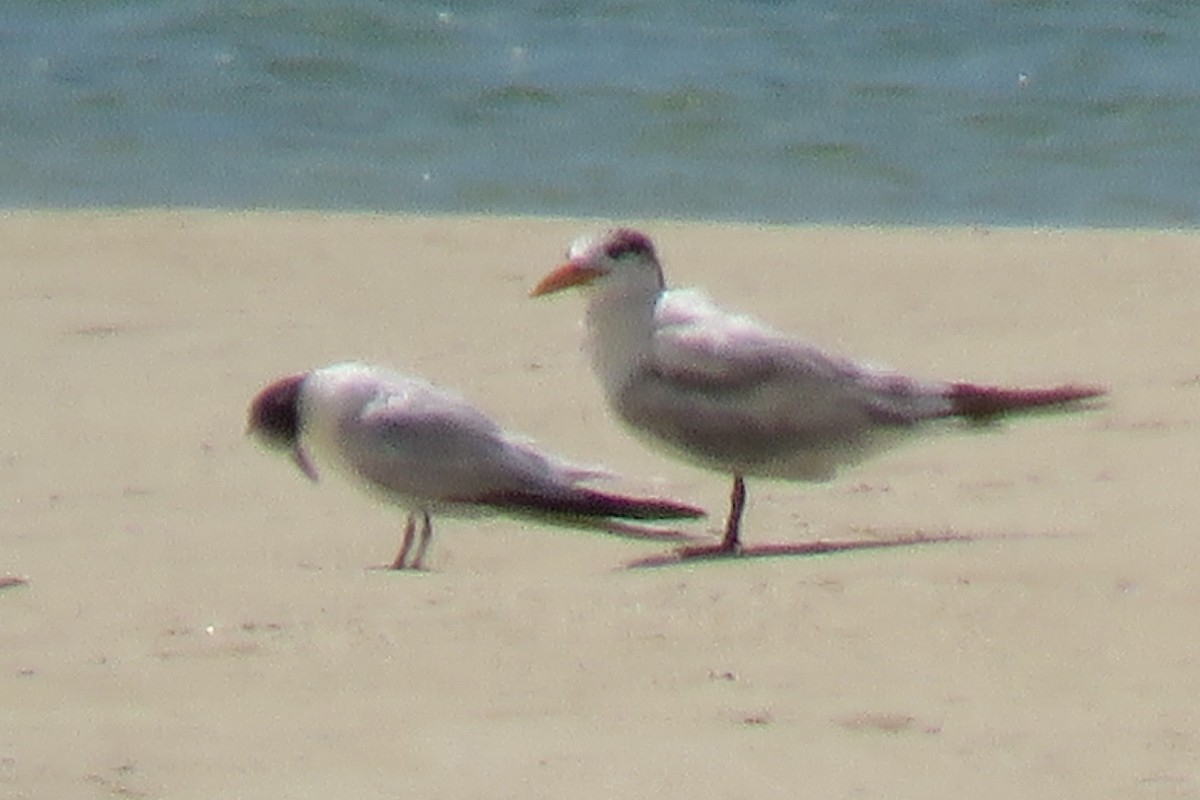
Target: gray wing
pixel 433 447
pixel 729 390
pixel 432 450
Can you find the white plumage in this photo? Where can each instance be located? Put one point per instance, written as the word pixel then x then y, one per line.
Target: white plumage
pixel 731 394
pixel 429 451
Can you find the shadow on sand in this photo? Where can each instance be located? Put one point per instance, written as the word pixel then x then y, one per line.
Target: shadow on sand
pixel 821 548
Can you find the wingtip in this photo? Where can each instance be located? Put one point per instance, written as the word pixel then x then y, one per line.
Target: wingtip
pixel 583 503
pixel 649 508
pixel 981 402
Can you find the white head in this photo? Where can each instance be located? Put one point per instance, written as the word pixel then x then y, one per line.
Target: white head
pixel 622 259
pixel 624 282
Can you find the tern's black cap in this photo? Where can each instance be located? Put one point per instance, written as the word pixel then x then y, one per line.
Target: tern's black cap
pixel 275 412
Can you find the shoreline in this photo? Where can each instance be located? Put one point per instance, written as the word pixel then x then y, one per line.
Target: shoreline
pixel 439 216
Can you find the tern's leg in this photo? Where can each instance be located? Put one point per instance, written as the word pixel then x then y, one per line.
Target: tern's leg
pixel 731 543
pixel 410 527
pixel 733 526
pixel 426 535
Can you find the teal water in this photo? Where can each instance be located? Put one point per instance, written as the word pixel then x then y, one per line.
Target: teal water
pixel 1048 113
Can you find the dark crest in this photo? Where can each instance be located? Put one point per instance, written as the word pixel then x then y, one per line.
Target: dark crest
pixel 275 412
pixel 624 241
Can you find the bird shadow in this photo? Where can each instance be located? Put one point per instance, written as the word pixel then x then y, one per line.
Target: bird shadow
pixel 626 530
pixel 818 548
pixel 406 569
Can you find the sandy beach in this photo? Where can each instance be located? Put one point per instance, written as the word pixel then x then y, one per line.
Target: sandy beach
pixel 199 621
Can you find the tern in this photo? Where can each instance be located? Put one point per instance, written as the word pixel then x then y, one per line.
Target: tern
pixel 728 393
pixel 429 451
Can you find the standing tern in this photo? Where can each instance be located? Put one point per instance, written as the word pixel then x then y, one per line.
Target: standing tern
pixel 430 451
pixel 730 394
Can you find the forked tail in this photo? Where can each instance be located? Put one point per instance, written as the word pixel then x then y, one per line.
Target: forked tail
pixel 976 402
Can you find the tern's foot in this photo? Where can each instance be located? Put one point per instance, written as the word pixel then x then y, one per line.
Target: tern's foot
pixel 396 566
pixel 723 550
pixel 707 552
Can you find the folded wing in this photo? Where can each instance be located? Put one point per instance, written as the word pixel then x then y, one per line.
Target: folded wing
pixel 434 447
pixel 732 390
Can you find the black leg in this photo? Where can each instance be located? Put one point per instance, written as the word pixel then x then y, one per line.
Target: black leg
pixel 733 526
pixel 426 535
pixel 409 528
pixel 731 544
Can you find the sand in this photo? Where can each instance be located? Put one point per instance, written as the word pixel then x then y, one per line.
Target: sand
pixel 199 621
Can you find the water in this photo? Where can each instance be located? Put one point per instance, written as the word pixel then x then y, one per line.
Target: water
pixel 1038 112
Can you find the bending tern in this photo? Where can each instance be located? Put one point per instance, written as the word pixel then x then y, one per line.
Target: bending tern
pixel 430 451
